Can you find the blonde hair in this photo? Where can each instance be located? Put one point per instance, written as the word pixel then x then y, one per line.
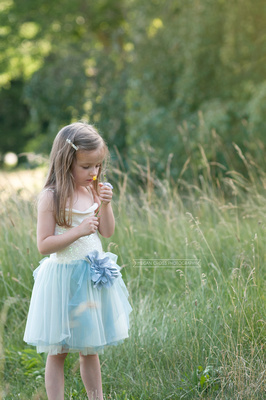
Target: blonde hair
pixel 60 178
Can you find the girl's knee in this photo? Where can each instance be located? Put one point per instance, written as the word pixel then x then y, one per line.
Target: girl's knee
pixel 57 357
pixel 88 358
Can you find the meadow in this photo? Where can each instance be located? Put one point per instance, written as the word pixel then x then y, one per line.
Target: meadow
pixel 198 320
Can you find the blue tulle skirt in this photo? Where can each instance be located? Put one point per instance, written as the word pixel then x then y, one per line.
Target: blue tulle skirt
pixel 77 308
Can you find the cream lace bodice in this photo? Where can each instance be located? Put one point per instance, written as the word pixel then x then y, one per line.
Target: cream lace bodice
pixel 81 247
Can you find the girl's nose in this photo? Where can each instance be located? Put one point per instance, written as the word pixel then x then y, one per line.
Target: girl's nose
pixel 93 171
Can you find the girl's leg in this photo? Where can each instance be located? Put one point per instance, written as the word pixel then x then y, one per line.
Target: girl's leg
pixel 90 371
pixel 54 376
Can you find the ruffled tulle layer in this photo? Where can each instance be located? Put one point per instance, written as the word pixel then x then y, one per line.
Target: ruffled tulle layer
pixel 68 313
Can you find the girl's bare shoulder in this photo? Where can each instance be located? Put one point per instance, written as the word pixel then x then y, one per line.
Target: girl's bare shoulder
pixel 46 200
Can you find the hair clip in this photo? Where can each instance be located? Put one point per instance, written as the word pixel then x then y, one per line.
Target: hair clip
pixel 72 144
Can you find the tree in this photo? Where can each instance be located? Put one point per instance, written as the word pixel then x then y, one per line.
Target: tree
pixel 137 70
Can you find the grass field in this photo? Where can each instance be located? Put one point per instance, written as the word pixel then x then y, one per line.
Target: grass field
pixel 197 330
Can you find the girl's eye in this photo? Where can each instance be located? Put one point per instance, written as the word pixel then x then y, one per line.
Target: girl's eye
pixel 89 166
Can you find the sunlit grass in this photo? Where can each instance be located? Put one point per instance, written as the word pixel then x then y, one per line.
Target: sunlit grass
pixel 196 332
pixel 25 183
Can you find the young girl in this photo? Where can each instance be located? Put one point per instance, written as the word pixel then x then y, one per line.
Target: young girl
pixel 79 300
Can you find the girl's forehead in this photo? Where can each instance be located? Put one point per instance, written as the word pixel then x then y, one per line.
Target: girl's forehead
pixel 90 156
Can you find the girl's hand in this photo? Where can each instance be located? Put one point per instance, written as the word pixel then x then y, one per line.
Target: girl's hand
pixel 88 226
pixel 106 193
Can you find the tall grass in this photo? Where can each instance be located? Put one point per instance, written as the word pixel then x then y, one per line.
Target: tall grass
pixel 197 332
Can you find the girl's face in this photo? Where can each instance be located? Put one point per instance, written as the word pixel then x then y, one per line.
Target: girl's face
pixel 86 165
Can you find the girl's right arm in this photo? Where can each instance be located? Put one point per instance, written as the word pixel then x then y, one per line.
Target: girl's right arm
pixel 47 241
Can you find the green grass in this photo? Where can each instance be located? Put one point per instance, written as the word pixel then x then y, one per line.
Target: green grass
pixel 196 332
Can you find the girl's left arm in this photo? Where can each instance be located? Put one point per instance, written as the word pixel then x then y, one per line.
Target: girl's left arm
pixel 106 215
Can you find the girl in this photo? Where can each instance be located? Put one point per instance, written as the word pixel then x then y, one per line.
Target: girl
pixel 79 300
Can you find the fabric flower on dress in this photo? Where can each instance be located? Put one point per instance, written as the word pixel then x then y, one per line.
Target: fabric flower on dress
pixel 103 270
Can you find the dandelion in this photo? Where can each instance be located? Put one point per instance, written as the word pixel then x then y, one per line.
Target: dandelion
pixel 94 178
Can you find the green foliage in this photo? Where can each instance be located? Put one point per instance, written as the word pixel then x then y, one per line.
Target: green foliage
pixel 14 135
pixel 208 378
pixel 256 110
pixel 137 70
pixel 32 362
pixel 61 82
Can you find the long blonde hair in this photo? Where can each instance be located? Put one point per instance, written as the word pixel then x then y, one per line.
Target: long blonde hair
pixel 60 179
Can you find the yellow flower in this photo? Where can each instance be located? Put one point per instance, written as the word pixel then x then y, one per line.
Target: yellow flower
pixel 94 178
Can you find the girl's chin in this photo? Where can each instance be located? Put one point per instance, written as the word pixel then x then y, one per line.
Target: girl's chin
pixel 84 184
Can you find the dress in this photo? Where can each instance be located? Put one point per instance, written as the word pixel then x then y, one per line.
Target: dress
pixel 79 300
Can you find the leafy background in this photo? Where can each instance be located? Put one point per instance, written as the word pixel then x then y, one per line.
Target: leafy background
pixel 140 71
pixel 177 89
